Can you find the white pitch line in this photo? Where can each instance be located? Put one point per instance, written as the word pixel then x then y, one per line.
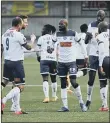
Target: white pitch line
pixel 49 85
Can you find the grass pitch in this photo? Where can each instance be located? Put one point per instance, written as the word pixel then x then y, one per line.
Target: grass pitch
pixel 32 97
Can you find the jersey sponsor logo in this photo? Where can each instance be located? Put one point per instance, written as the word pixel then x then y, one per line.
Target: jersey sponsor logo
pixel 65 44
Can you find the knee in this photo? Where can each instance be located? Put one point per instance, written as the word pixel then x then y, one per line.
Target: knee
pixel 21 87
pixel 73 81
pixel 53 78
pixel 84 72
pixel 103 84
pixel 63 82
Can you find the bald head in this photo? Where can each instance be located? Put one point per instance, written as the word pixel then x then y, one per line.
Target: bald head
pixel 63 24
pixel 100 16
pixel 102 26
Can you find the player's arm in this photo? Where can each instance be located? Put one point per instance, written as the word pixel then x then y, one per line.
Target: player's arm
pixel 77 37
pixel 29 46
pixel 38 51
pixel 88 35
pixel 101 54
pixel 2 49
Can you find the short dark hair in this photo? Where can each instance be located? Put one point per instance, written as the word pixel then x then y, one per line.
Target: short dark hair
pixel 16 21
pixel 83 27
pixel 23 16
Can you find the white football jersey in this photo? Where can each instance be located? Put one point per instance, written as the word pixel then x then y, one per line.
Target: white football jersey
pixel 81 47
pixel 103 45
pixel 44 42
pixel 12 42
pixel 66 46
pixel 93 28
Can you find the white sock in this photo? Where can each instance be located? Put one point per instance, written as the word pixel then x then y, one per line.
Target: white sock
pixel 54 89
pixel 79 74
pixel 2 87
pixel 11 94
pixel 64 97
pixel 89 92
pixel 46 88
pixel 78 94
pixel 103 94
pixel 16 100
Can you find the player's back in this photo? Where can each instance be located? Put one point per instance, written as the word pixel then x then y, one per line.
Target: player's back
pixel 46 42
pixel 93 28
pixel 12 48
pixel 104 38
pixel 79 49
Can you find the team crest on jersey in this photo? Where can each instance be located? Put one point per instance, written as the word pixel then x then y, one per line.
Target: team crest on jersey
pixel 64 37
pixel 47 42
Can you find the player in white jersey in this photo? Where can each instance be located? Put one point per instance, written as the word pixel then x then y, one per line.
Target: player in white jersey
pixel 104 60
pixel 93 56
pixel 13 43
pixel 47 59
pixel 66 40
pixel 81 57
pixel 5 82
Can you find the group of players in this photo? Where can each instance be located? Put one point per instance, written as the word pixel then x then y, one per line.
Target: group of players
pixel 64 53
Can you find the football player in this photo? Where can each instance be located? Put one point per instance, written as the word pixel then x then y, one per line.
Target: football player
pixel 93 56
pixel 81 57
pixel 67 63
pixel 47 58
pixel 104 60
pixel 13 42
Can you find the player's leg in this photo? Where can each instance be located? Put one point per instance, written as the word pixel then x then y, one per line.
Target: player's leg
pixel 53 73
pixel 103 91
pixel 5 80
pixel 82 67
pixel 62 72
pixel 72 72
pixel 106 66
pixel 93 66
pixel 44 70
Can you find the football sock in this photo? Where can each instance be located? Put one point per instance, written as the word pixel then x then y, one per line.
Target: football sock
pixel 11 94
pixel 46 88
pixel 78 94
pixel 89 92
pixel 64 97
pixel 54 89
pixel 103 94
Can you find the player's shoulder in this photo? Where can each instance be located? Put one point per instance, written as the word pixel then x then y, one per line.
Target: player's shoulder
pixel 72 32
pixel 94 24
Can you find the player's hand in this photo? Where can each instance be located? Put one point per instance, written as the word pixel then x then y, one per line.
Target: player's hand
pixel 38 59
pixel 33 37
pixel 86 62
pixel 88 37
pixel 101 71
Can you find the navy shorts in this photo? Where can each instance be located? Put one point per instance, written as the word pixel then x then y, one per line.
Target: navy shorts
pixel 48 67
pixel 65 68
pixel 106 66
pixel 81 64
pixel 93 63
pixel 12 70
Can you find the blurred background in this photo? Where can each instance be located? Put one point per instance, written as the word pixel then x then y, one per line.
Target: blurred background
pixel 44 12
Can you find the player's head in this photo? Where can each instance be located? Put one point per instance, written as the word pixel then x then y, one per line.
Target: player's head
pixel 84 28
pixel 100 16
pixel 47 29
pixel 25 20
pixel 63 24
pixel 53 29
pixel 17 23
pixel 102 27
